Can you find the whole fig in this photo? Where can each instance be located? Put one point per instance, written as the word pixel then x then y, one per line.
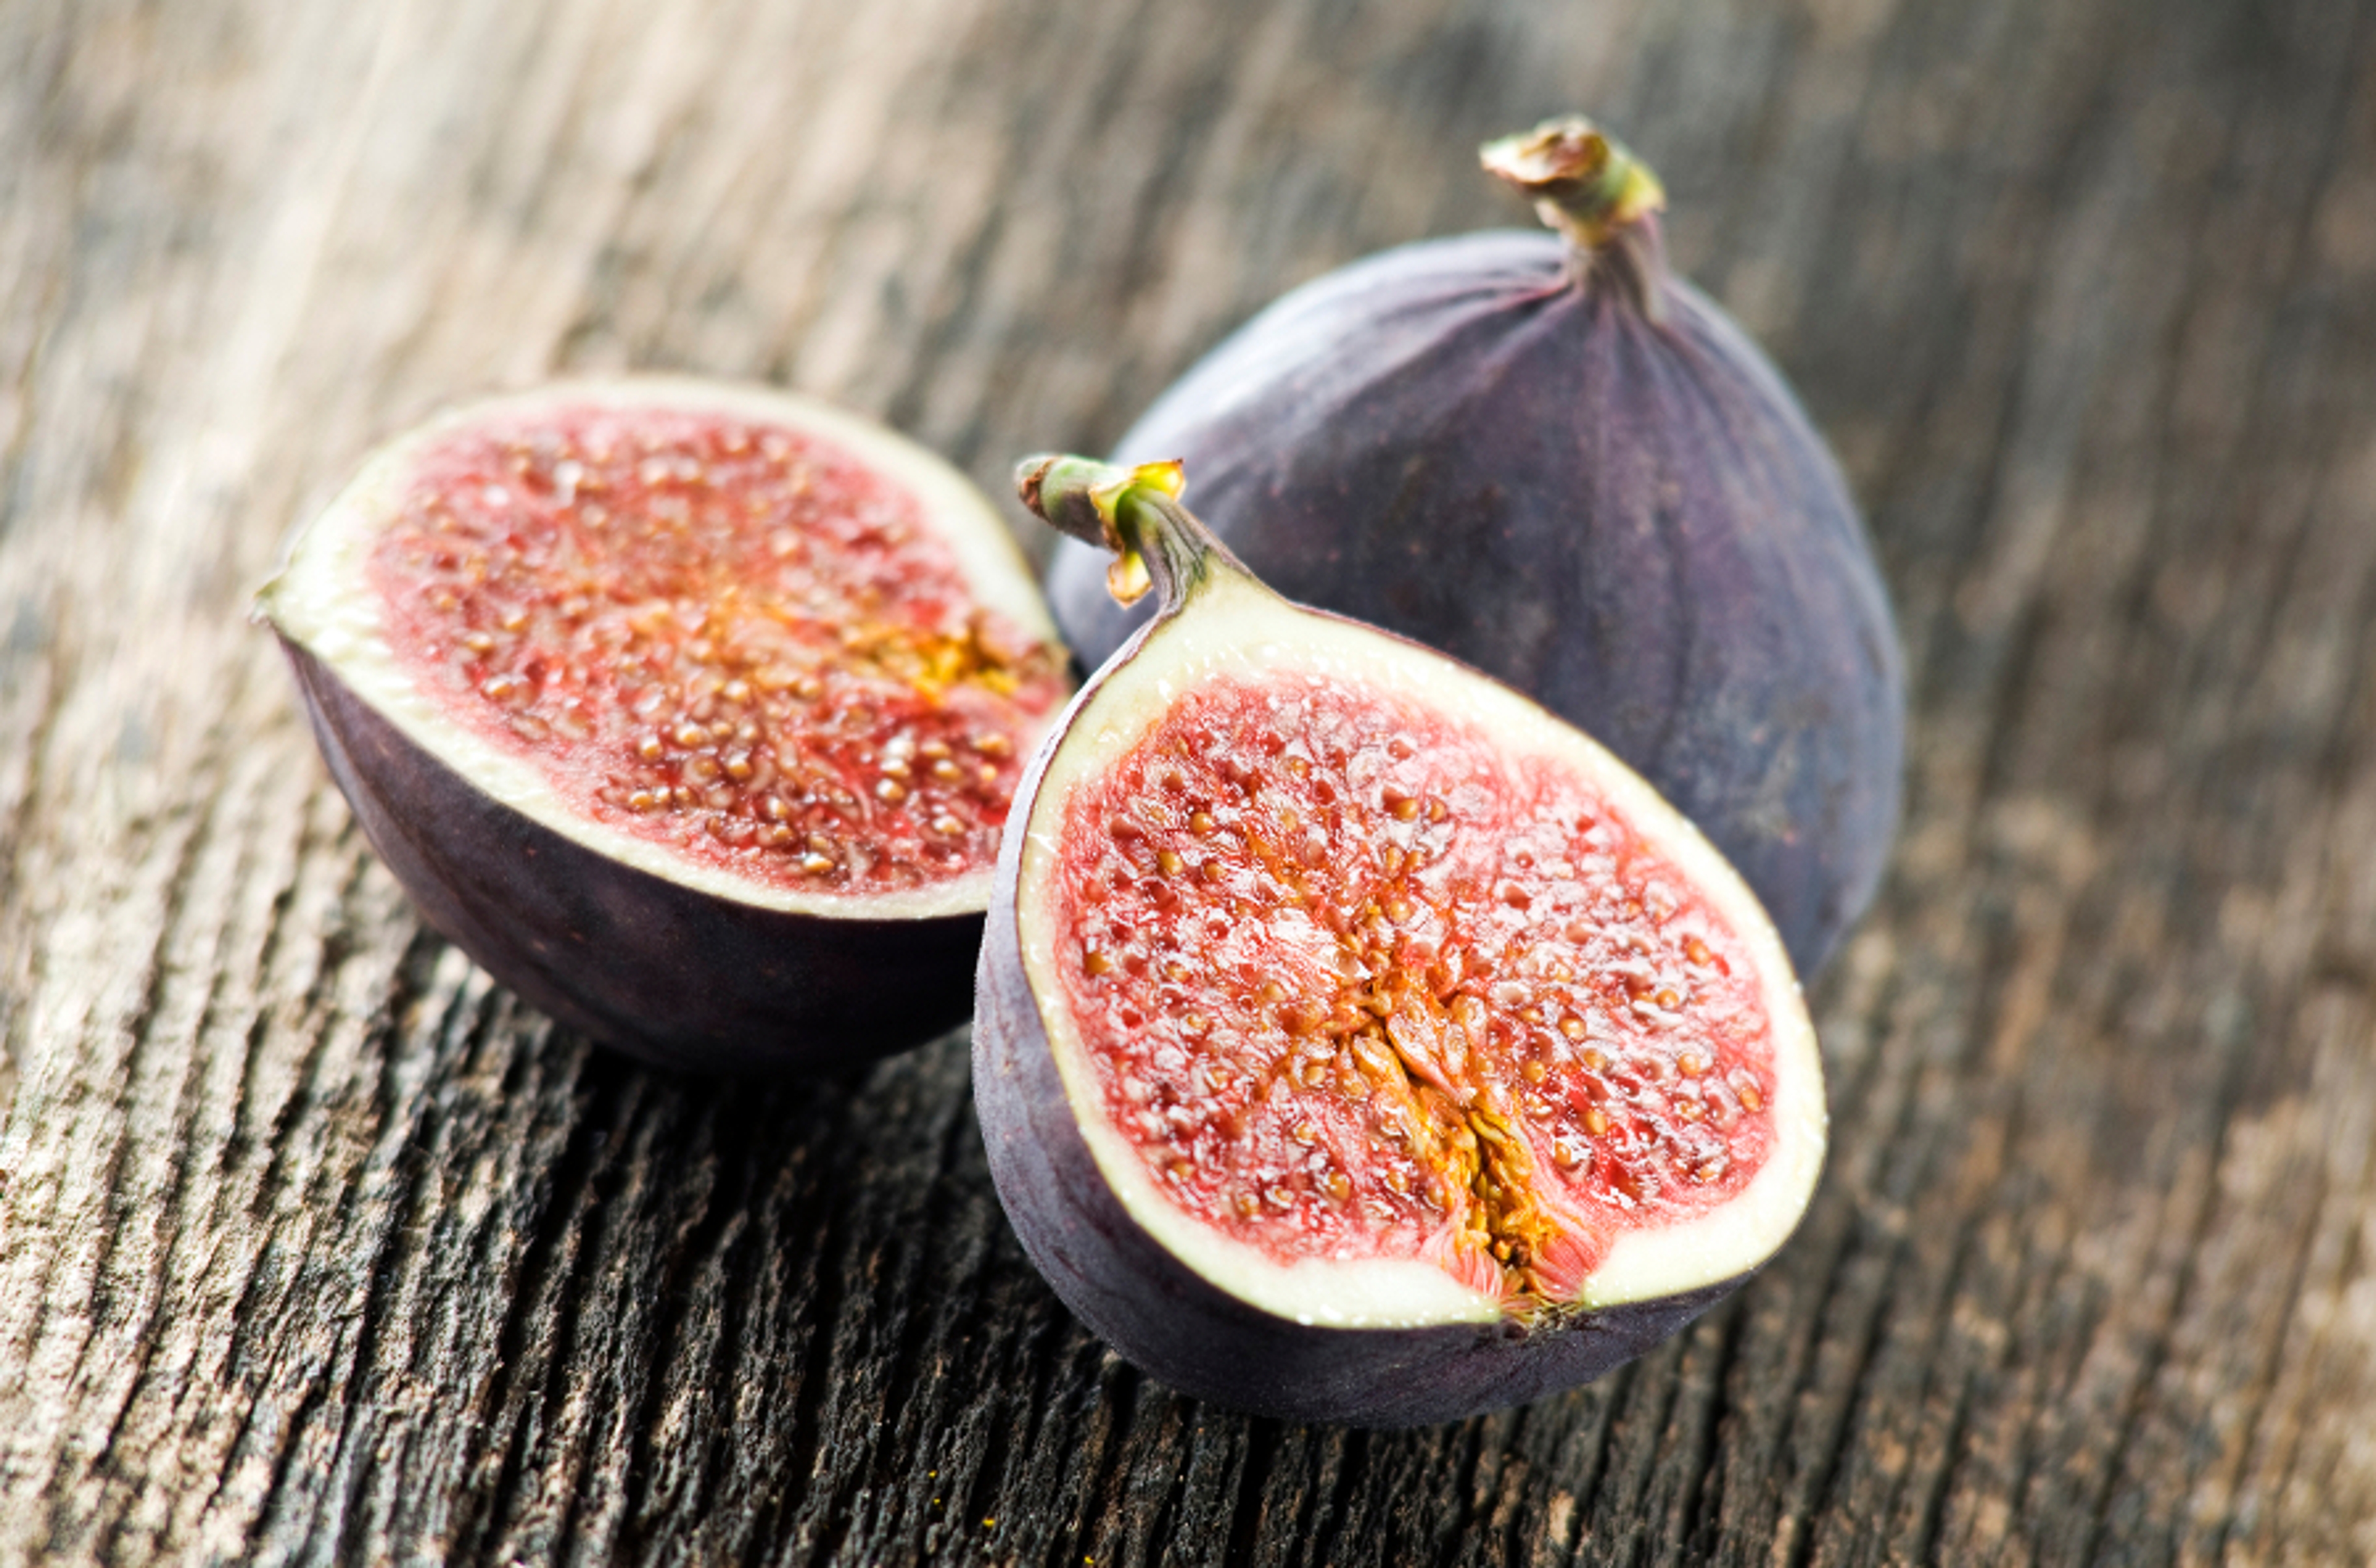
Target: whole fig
pixel 1546 456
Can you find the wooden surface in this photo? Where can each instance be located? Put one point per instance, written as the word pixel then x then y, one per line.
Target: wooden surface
pixel 313 1245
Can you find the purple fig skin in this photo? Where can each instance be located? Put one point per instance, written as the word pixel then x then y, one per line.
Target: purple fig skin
pixel 1137 1297
pixel 679 977
pixel 1612 504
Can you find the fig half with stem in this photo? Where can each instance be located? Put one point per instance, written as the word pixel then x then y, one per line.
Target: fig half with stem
pixel 690 711
pixel 1355 1039
pixel 1547 455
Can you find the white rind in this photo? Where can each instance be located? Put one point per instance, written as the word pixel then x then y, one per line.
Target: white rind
pixel 319 599
pixel 1240 628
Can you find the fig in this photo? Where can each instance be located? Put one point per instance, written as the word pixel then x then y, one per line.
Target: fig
pixel 1355 1039
pixel 1546 456
pixel 692 712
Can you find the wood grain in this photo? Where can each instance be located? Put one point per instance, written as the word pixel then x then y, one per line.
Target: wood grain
pixel 316 1246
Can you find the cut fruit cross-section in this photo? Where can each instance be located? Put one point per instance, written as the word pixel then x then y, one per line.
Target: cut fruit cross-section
pixel 693 712
pixel 1357 1041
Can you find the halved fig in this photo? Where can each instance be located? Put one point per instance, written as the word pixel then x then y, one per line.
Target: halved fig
pixel 1355 1039
pixel 692 712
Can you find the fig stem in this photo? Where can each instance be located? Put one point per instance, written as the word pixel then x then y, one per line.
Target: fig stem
pixel 1135 513
pixel 1590 188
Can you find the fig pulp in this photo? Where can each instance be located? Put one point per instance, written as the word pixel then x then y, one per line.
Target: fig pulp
pixel 1549 458
pixel 1355 1039
pixel 691 712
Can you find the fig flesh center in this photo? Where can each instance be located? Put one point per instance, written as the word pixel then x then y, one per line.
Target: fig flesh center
pixel 728 637
pixel 1356 983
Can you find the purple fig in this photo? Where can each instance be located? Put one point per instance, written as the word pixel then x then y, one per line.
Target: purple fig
pixel 1545 456
pixel 1357 1041
pixel 691 712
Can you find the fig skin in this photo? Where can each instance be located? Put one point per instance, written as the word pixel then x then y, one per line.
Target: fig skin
pixel 685 967
pixel 676 977
pixel 1115 1274
pixel 1552 459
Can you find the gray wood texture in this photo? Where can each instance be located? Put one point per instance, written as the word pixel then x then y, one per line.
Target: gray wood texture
pixel 314 1246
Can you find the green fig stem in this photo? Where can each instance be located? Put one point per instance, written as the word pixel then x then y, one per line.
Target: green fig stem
pixel 1604 201
pixel 1134 512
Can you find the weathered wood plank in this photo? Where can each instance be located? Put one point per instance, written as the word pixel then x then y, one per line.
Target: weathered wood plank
pixel 315 1245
